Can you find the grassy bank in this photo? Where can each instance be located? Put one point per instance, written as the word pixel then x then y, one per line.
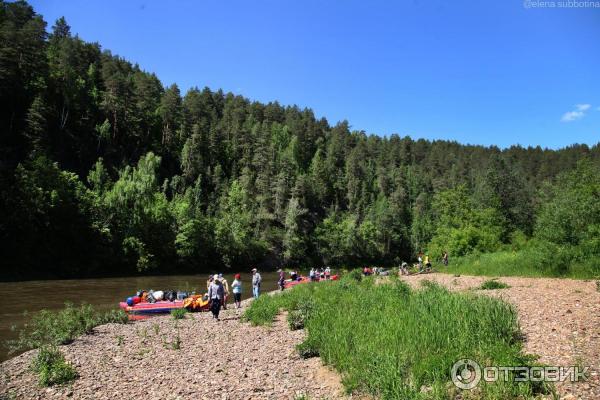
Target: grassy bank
pixel 530 262
pixel 62 327
pixel 398 343
pixel 47 330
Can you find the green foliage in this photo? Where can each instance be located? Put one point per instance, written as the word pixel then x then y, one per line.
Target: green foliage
pixel 571 216
pixel 178 313
pixel 106 171
pixel 404 338
pixel 493 284
pixel 52 368
pixel 299 313
pixel 234 234
pixel 62 327
pixel 462 227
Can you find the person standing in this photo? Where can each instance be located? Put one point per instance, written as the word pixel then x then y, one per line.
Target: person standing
pixel 215 296
pixel 404 268
pixel 236 287
pixel 256 281
pixel 311 274
pixel 281 280
pixel 445 258
pixel 327 273
pixel 225 290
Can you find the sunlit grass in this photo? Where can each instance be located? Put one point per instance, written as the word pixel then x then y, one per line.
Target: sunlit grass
pixel 397 343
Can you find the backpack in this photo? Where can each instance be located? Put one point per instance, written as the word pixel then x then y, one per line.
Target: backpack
pixel 158 295
pixel 170 295
pixel 150 298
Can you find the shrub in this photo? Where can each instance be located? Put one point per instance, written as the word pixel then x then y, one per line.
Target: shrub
pixel 178 313
pixel 62 327
pixel 51 367
pixel 300 313
pixel 354 275
pixel 493 284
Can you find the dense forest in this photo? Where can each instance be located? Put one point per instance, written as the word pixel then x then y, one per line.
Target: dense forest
pixel 104 171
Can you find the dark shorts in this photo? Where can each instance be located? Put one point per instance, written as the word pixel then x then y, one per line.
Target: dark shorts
pixel 237 297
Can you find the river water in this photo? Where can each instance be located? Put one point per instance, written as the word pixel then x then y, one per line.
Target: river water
pixel 106 293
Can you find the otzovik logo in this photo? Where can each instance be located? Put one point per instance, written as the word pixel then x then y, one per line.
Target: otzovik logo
pixel 466 374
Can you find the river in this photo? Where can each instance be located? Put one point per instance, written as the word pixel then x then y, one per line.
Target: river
pixel 105 293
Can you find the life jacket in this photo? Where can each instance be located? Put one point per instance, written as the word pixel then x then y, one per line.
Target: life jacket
pixel 196 303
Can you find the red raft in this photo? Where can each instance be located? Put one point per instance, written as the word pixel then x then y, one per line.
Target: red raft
pixel 303 279
pixel 159 307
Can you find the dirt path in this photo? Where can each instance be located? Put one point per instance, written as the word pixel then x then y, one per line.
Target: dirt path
pixel 216 360
pixel 560 319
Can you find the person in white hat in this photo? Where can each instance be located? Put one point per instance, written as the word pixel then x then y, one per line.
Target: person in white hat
pixel 216 293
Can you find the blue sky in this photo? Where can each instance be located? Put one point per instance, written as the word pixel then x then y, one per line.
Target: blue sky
pixel 480 72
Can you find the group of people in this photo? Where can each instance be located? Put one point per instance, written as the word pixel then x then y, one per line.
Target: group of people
pixel 423 263
pixel 316 274
pixel 218 291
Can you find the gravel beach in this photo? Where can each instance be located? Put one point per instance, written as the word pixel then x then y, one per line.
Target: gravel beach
pixel 560 319
pixel 216 360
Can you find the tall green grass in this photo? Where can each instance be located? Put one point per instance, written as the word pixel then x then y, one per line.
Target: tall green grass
pixel 396 343
pixel 532 261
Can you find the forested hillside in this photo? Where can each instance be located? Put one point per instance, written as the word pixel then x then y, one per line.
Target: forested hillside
pixel 103 170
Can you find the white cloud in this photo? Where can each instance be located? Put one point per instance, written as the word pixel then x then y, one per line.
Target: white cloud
pixel 583 107
pixel 576 114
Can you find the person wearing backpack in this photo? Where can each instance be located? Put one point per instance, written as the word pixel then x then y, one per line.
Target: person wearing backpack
pixel 225 289
pixel 216 293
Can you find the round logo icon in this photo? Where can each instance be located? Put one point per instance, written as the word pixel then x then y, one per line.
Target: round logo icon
pixel 466 374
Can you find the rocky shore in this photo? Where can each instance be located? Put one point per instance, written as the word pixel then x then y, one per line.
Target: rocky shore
pixel 199 358
pixel 560 320
pixel 214 360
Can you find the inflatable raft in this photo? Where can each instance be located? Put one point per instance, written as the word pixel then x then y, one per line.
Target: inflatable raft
pixel 303 279
pixel 191 303
pixel 159 307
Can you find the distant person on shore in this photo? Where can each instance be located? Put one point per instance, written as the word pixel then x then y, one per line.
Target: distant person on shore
pixel 225 290
pixel 236 287
pixel 420 263
pixel 281 280
pixel 312 274
pixel 445 258
pixel 404 268
pixel 216 293
pixel 256 281
pixel 294 275
pixel 427 263
pixel 327 273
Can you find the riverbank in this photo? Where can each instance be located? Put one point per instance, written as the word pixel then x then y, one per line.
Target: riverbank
pixel 103 294
pixel 560 320
pixel 226 359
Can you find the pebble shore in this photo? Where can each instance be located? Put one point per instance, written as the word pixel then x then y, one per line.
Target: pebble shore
pixel 225 359
pixel 230 359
